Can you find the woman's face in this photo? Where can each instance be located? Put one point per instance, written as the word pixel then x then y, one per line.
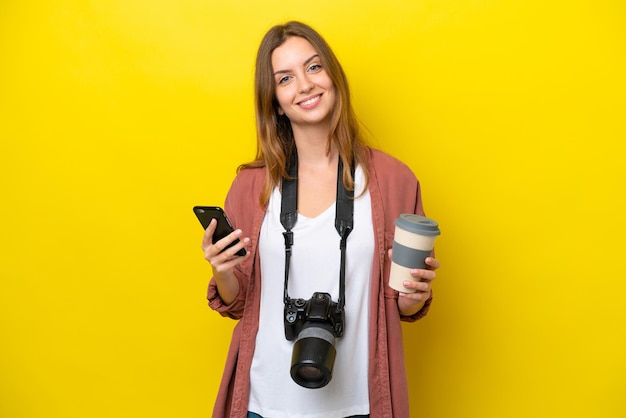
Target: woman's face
pixel 305 92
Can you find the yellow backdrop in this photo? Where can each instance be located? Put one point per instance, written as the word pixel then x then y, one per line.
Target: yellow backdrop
pixel 117 116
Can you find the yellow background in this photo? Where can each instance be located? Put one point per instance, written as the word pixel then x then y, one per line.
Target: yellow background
pixel 117 116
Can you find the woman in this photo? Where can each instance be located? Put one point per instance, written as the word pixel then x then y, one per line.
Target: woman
pixel 305 123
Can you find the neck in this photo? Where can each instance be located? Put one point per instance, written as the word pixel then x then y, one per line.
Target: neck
pixel 312 145
pixel 316 155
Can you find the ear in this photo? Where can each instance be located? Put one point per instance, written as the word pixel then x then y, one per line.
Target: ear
pixel 281 112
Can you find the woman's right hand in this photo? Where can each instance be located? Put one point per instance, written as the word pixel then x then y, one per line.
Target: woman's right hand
pixel 223 261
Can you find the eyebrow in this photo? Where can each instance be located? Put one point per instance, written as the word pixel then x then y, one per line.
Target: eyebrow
pixel 311 58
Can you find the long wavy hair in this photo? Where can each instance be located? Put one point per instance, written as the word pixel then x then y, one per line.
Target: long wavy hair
pixel 275 142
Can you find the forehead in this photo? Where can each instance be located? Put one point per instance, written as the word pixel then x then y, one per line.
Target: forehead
pixel 292 53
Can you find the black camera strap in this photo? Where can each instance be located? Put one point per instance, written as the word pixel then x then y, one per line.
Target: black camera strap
pixel 344 216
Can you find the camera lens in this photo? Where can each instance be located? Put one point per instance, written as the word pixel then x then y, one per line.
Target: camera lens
pixel 310 374
pixel 313 355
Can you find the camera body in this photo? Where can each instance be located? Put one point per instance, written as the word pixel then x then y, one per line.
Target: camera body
pixel 319 309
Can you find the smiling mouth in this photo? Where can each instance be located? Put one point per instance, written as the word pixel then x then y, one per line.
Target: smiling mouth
pixel 310 102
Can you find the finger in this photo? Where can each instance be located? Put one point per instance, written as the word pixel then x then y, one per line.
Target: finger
pixel 227 248
pixel 418 286
pixel 432 263
pixel 417 297
pixel 228 263
pixel 231 252
pixel 423 275
pixel 227 240
pixel 207 238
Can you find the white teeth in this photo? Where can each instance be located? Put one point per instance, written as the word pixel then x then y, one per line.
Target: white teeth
pixel 310 101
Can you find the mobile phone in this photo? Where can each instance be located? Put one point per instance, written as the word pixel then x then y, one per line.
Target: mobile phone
pixel 224 227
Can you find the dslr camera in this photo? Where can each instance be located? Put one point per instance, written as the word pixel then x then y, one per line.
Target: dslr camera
pixel 313 324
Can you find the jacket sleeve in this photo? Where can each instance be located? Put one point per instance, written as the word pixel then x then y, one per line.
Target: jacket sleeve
pixel 238 209
pixel 233 310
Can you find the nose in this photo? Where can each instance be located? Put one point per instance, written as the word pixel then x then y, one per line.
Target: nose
pixel 305 84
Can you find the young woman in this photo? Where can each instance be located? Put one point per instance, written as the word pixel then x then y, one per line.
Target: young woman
pixel 305 123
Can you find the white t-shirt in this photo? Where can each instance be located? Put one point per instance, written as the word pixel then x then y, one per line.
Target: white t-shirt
pixel 315 263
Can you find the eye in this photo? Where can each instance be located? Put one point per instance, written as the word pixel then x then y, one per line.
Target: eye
pixel 315 68
pixel 284 79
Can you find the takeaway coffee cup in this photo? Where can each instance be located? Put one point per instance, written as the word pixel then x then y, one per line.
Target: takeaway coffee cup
pixel 413 241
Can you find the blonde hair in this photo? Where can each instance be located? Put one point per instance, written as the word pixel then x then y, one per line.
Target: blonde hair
pixel 275 142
